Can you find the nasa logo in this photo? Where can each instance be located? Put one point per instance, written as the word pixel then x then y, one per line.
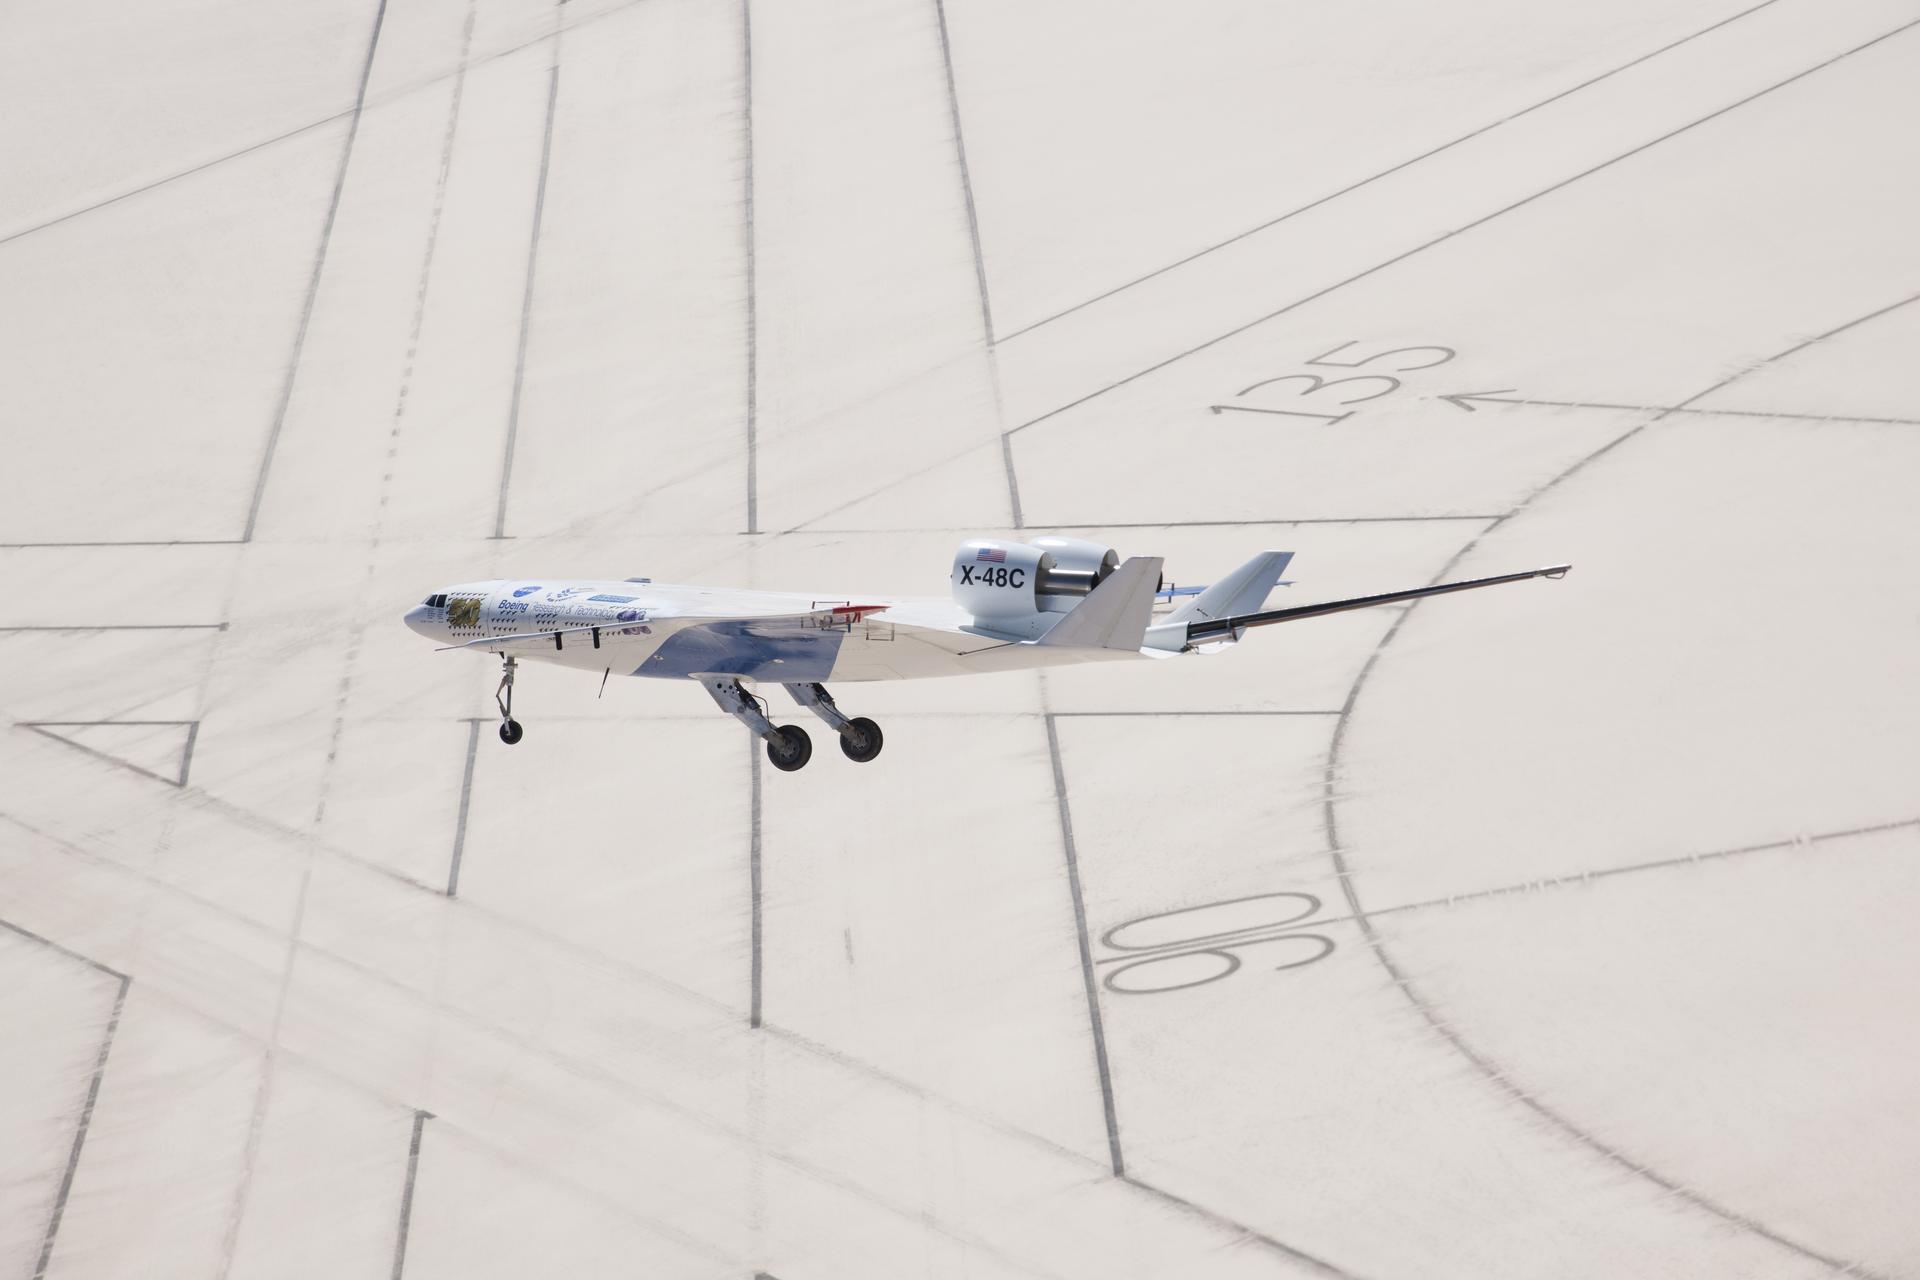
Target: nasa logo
pixel 629 615
pixel 525 591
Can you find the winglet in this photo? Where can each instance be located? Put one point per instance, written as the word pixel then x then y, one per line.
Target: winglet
pixel 1116 614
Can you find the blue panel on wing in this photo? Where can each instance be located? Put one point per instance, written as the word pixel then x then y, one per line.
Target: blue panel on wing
pixel 790 650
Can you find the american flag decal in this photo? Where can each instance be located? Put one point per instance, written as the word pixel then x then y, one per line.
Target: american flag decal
pixel 991 555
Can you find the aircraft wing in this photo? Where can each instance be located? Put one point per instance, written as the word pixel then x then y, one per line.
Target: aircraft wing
pixel 1229 628
pixel 832 617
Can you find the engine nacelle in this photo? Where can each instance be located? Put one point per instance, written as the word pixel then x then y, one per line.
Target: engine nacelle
pixel 1078 567
pixel 1009 585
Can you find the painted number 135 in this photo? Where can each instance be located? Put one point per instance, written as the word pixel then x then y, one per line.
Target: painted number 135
pixel 1316 396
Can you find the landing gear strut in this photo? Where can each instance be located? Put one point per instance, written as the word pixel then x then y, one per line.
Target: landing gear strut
pixel 510 730
pixel 788 746
pixel 860 738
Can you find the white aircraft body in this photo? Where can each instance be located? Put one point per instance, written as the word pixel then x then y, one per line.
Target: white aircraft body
pixel 1049 602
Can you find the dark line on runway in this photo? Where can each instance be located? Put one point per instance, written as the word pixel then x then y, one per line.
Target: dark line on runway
pixel 1477 222
pixel 130 626
pixel 1221 1220
pixel 309 127
pixel 1013 480
pixel 1260 522
pixel 313 281
pixel 1575 879
pixel 186 752
pixel 49 943
pixel 192 727
pixel 526 297
pixel 392 95
pixel 1711 413
pixel 753 293
pixel 753 877
pixel 80 1132
pixel 1399 978
pixel 1014 513
pixel 1425 155
pixel 1086 952
pixel 420 1119
pixel 966 174
pixel 1082 715
pixel 466 801
pixel 155 542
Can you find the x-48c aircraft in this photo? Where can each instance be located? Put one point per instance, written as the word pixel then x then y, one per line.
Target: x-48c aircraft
pixel 1044 603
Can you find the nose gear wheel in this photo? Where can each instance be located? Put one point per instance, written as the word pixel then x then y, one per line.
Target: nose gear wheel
pixel 510 730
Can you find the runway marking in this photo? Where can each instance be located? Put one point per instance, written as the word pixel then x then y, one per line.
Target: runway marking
pixel 466 804
pixel 93 1089
pixel 420 1119
pixel 966 175
pixel 192 727
pixel 127 626
pixel 1298 926
pixel 1425 155
pixel 593 1069
pixel 1359 914
pixel 526 297
pixel 754 882
pixel 1115 1158
pixel 313 281
pixel 1086 955
pixel 1467 399
pixel 1014 513
pixel 1461 230
pixel 150 542
pixel 1255 522
pixel 378 100
pixel 80 1133
pixel 753 288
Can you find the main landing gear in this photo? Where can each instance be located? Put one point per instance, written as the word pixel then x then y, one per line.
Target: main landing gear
pixel 510 730
pixel 788 746
pixel 860 738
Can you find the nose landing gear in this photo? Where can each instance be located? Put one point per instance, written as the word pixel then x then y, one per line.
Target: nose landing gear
pixel 510 730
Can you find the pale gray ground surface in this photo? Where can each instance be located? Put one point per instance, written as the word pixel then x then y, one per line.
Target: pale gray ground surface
pixel 1598 897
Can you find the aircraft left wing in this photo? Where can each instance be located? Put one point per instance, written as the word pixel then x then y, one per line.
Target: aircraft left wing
pixel 1229 628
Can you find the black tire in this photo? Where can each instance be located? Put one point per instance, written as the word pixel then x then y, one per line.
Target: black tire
pixel 864 743
pixel 790 749
pixel 511 732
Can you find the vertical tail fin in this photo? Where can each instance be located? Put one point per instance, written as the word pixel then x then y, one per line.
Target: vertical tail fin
pixel 1115 614
pixel 1242 591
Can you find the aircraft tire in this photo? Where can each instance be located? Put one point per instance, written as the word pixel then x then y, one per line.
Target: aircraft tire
pixel 865 744
pixel 511 732
pixel 794 748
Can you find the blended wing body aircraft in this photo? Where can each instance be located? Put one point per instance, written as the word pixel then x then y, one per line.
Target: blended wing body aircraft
pixel 1048 602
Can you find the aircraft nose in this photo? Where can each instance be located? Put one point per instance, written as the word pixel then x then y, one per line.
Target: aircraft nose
pixel 416 618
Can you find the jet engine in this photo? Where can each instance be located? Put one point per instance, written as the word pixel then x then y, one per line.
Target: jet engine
pixel 1007 585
